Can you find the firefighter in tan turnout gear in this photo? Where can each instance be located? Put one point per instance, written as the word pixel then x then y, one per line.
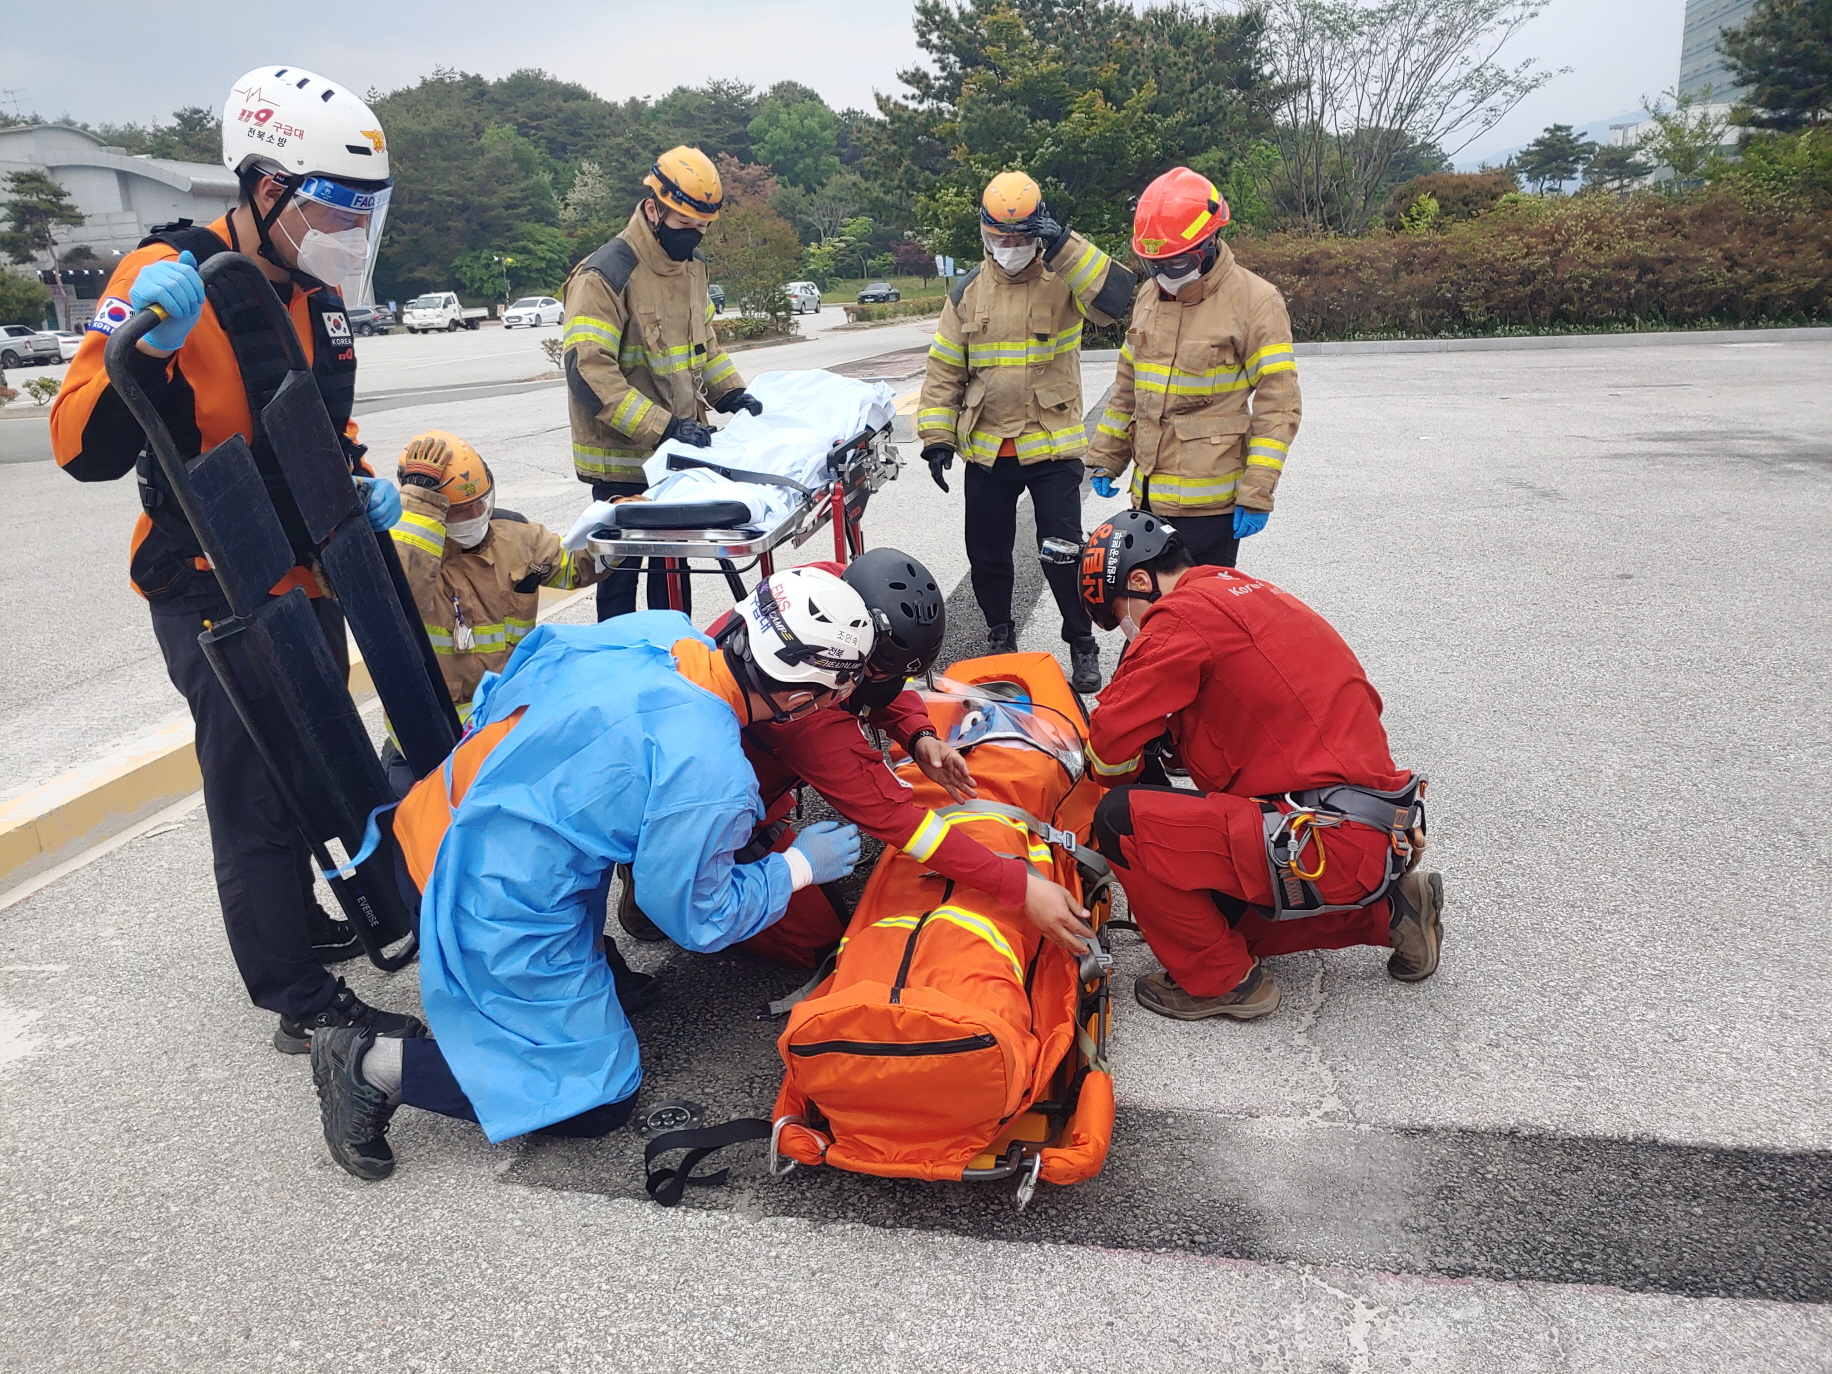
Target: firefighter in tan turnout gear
pixel 642 360
pixel 1207 337
pixel 1003 389
pixel 476 573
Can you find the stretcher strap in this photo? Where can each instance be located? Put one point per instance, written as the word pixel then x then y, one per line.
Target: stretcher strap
pixel 679 462
pixel 1043 830
pixel 666 1185
pixel 372 839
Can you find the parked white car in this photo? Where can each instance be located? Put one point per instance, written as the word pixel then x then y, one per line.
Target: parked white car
pixel 804 297
pixel 23 346
pixel 68 343
pixel 440 310
pixel 533 311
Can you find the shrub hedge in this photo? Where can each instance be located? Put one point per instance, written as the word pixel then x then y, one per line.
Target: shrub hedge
pixel 1551 264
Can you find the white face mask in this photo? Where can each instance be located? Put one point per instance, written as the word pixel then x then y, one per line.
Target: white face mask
pixel 334 258
pixel 1176 284
pixel 1129 627
pixel 1015 259
pixel 469 533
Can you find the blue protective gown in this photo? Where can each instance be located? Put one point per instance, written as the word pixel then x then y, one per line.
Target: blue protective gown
pixel 618 759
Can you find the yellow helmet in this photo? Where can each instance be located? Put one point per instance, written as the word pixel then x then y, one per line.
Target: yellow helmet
pixel 685 181
pixel 466 476
pixel 1010 203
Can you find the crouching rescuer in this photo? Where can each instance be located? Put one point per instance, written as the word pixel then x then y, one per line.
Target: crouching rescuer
pixel 1302 833
pixel 476 572
pixel 1003 389
pixel 600 745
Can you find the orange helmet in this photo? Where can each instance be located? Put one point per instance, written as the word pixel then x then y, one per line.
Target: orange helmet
pixel 685 181
pixel 1178 212
pixel 466 475
pixel 1010 204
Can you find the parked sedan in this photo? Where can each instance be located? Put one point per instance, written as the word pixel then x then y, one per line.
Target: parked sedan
pixel 879 293
pixel 68 343
pixel 23 346
pixel 533 311
pixel 716 294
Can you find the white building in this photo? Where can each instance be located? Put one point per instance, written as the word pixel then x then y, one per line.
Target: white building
pixel 121 196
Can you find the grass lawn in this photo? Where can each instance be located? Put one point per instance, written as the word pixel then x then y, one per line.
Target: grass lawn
pixel 912 288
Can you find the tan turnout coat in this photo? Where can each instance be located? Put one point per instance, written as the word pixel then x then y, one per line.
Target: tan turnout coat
pixel 1205 404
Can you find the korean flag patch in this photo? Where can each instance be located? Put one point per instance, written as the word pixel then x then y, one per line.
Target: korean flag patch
pixel 337 326
pixel 110 314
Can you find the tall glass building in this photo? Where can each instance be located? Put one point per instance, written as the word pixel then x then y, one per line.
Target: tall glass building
pixel 1700 63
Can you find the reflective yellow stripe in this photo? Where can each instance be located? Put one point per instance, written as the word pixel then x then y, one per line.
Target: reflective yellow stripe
pixel 1113 424
pixel 947 352
pixel 937 417
pixel 1272 358
pixel 1189 231
pixel 432 543
pixel 584 329
pixel 1217 380
pixel 1110 770
pixel 1087 267
pixel 631 411
pixel 1065 443
pixel 634 355
pixel 927 837
pixel 719 371
pixel 1173 490
pixel 1266 453
pixel 565 577
pixel 970 921
pixel 598 462
pixel 1024 352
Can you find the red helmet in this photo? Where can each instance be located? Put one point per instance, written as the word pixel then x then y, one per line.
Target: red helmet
pixel 1178 212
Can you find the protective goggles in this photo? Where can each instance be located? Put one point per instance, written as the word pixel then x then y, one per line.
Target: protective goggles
pixel 1007 236
pixel 477 508
pixel 1179 264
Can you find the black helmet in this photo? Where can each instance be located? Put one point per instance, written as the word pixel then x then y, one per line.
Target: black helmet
pixel 906 608
pixel 1130 538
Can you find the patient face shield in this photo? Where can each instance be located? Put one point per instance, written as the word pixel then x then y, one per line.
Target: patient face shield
pixel 1000 715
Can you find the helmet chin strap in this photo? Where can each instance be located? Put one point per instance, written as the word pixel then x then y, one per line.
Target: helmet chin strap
pixel 263 225
pixel 744 670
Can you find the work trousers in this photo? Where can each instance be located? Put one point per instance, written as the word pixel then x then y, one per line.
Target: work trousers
pixel 1193 863
pixel 427 1083
pixel 617 593
pixel 1209 539
pixel 992 529
pixel 263 865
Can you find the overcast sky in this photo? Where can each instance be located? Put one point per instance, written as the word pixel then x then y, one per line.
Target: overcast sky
pixel 134 62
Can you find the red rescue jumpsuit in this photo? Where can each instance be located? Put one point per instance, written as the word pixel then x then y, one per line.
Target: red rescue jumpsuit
pixel 831 751
pixel 1261 697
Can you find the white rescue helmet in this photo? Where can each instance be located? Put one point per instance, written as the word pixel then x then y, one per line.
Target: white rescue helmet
pixel 807 626
pixel 326 147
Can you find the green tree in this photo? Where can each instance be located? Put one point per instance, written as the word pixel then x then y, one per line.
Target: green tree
pixel 1460 195
pixel 1685 139
pixel 37 210
pixel 797 141
pixel 194 135
pixel 534 258
pixel 753 251
pixel 1615 168
pixel 1783 54
pixel 1558 155
pixel 22 299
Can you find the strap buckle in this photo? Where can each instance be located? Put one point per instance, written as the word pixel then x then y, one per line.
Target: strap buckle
pixel 781 1166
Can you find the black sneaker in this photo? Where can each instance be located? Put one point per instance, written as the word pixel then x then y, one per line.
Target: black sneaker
pixel 1002 639
pixel 333 940
pixel 1084 665
pixel 346 1009
pixel 355 1113
pixel 630 916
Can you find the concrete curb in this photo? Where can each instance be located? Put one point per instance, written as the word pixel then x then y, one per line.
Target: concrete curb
pixel 89 805
pixel 1651 339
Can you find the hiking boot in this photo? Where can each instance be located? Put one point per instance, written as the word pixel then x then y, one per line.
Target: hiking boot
pixel 632 917
pixel 1417 930
pixel 1084 665
pixel 346 1009
pixel 1002 639
pixel 333 940
pixel 354 1111
pixel 1254 996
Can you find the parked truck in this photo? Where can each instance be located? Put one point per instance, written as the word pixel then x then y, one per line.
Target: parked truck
pixel 440 310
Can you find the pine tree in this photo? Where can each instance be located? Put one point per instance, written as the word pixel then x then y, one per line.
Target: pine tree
pixel 38 208
pixel 1555 157
pixel 1783 54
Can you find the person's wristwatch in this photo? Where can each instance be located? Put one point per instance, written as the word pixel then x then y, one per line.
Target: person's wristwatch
pixel 919 736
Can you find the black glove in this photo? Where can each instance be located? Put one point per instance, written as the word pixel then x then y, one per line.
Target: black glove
pixel 734 401
pixel 1048 230
pixel 688 432
pixel 940 458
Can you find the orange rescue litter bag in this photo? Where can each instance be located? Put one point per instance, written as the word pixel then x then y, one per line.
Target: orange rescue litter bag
pixel 951 1040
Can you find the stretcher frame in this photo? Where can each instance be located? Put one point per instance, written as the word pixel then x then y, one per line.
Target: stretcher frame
pixel 856 469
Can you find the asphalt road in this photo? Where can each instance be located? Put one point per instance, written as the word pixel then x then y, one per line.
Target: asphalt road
pixel 1590 588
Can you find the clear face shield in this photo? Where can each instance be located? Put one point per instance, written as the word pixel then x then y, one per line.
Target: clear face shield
pixel 1011 250
pixel 341 237
pixel 1000 715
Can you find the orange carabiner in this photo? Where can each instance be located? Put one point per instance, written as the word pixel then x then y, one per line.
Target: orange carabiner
pixel 1299 826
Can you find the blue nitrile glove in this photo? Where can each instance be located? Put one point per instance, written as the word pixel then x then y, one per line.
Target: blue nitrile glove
pixel 830 848
pixel 1248 522
pixel 1104 485
pixel 176 289
pixel 381 502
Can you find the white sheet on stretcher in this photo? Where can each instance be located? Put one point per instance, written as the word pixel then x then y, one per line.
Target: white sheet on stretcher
pixel 805 415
